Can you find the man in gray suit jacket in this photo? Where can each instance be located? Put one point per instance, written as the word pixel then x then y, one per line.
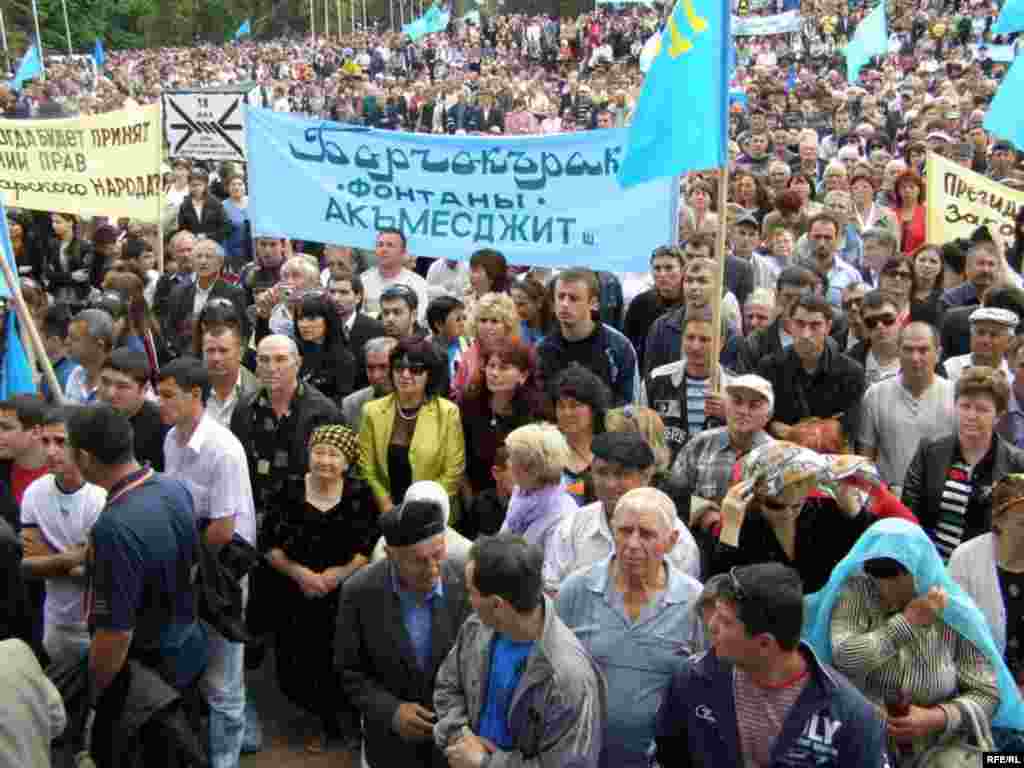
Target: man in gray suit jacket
pixel 398 620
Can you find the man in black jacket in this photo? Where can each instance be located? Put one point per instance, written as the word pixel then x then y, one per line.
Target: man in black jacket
pixel 812 378
pixel 347 292
pixel 392 683
pixel 188 299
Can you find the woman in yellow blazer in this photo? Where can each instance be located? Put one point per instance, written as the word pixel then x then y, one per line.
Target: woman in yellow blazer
pixel 414 433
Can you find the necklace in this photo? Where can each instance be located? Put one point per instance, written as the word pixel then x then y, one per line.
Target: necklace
pixel 411 416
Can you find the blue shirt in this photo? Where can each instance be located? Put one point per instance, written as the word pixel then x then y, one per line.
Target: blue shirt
pixel 508 660
pixel 417 615
pixel 638 658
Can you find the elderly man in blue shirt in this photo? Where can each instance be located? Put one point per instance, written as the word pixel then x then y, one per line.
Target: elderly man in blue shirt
pixel 637 615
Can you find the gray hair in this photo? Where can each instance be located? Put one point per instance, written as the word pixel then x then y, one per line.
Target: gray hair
pixel 541 450
pixel 307 265
pixel 883 235
pixel 380 344
pixel 209 245
pixel 98 324
pixel 288 341
pixel 640 499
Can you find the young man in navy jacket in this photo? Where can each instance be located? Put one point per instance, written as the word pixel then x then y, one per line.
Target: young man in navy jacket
pixel 760 695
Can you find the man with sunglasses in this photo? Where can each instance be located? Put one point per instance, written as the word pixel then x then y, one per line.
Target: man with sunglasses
pixel 761 696
pixel 879 351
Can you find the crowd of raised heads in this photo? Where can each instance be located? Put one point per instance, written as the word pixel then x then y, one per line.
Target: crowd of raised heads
pixel 485 513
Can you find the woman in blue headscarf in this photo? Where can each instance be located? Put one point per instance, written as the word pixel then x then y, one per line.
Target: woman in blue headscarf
pixel 894 622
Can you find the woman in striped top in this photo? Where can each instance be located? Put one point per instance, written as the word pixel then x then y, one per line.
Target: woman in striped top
pixel 949 482
pixel 913 641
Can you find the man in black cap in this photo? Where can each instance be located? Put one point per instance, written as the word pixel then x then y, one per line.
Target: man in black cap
pixel 622 461
pixel 399 618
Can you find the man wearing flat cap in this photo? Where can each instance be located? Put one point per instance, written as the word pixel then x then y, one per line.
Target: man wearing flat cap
pixel 399 618
pixel 991 331
pixel 623 461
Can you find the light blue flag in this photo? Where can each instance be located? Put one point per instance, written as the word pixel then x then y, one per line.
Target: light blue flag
pixel 1011 18
pixel 16 373
pixel 680 121
pixel 434 20
pixel 31 66
pixel 870 39
pixel 98 54
pixel 1003 117
pixel 244 30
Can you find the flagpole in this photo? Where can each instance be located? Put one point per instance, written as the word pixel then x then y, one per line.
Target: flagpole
pixel 27 323
pixel 39 38
pixel 67 26
pixel 3 33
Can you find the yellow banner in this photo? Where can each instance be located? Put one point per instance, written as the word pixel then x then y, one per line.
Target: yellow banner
pixel 959 201
pixel 105 165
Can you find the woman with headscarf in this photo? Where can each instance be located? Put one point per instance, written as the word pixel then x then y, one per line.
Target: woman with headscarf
pixel 321 530
pixel 799 508
pixel 907 635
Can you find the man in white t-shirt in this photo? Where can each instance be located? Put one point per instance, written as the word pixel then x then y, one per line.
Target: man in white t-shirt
pixel 57 512
pixel 389 271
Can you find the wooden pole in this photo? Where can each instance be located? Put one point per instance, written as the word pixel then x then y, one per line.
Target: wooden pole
pixel 27 323
pixel 716 304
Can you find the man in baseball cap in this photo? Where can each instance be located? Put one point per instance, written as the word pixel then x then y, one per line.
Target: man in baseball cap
pixel 706 467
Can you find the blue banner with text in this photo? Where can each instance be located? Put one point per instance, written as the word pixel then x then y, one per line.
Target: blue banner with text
pixel 540 200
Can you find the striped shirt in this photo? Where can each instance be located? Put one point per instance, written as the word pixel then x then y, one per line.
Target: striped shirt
pixel 948 533
pixel 696 392
pixel 883 653
pixel 760 715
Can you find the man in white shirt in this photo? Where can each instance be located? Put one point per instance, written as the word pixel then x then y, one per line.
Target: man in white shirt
pixel 389 271
pixel 230 382
pixel 622 461
pixel 57 512
pixel 212 463
pixel 448 277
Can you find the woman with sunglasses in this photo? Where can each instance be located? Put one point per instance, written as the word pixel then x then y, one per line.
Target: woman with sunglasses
pixel 414 433
pixel 327 363
pixel 896 281
pixel 913 641
pixel 799 508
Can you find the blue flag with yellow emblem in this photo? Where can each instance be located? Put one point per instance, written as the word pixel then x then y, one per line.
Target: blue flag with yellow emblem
pixel 680 122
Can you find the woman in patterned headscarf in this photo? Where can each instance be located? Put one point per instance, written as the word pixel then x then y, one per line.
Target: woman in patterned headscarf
pixel 800 508
pixel 322 530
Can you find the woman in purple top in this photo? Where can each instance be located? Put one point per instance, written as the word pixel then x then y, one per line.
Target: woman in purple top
pixel 537 455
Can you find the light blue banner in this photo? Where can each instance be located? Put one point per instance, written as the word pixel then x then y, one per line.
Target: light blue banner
pixel 540 200
pixel 778 24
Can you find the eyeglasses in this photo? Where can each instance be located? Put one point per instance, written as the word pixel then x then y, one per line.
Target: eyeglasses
pixel 416 369
pixel 899 274
pixel 737 588
pixel 872 322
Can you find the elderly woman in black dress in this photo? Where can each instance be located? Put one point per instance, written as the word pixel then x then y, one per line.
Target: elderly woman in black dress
pixel 322 530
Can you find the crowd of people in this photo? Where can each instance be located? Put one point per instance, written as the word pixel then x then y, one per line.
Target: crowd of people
pixel 486 514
